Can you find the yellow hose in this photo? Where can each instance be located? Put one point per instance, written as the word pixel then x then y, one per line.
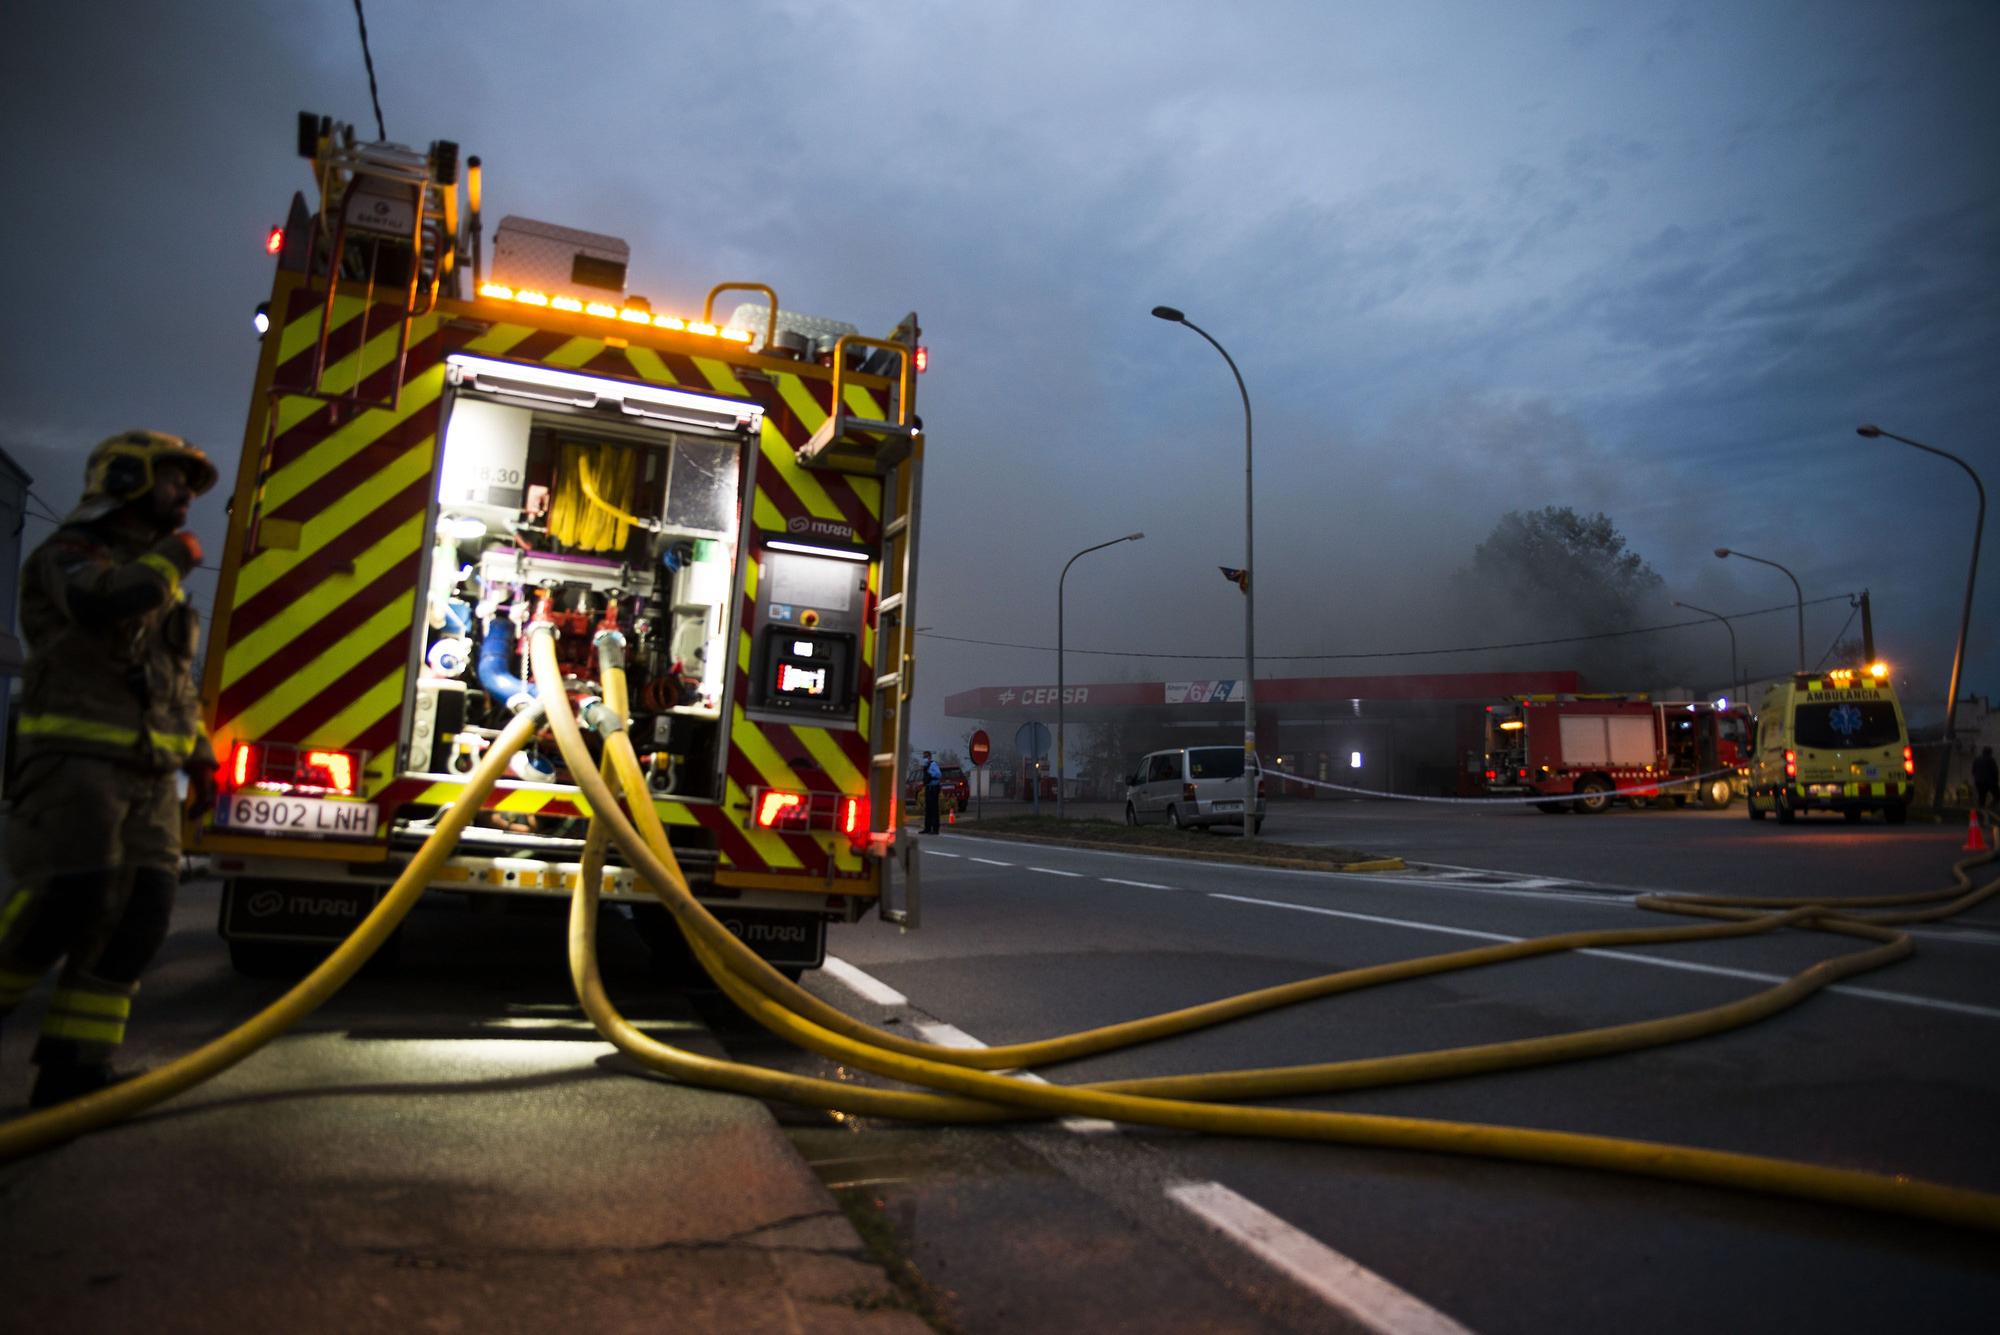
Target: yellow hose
pixel 39 1130
pixel 755 986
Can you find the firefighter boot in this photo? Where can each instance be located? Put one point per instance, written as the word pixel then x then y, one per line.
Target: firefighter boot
pixel 61 1081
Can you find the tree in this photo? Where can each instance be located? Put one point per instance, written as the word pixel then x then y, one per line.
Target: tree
pixel 1105 758
pixel 1555 574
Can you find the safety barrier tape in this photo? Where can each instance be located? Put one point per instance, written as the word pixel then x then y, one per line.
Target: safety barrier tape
pixel 1636 791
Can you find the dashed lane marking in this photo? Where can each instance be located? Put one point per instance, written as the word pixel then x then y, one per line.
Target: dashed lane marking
pixel 1052 871
pixel 991 862
pixel 1686 966
pixel 1143 885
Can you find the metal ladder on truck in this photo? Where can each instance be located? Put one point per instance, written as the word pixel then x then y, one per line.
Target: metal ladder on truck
pixel 893 451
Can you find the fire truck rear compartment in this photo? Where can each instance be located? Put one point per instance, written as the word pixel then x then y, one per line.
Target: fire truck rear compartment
pixel 556 499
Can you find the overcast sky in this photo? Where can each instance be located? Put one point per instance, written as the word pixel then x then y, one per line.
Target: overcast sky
pixel 1657 260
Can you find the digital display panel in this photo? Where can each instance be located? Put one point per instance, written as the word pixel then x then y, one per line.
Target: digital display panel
pixel 812 581
pixel 796 681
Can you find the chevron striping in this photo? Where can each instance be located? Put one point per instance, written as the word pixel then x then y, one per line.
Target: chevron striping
pixel 647 363
pixel 325 670
pixel 268 566
pixel 374 573
pixel 574 353
pixel 836 762
pixel 371 705
pixel 344 443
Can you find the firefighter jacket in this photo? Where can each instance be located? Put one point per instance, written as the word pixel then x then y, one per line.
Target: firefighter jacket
pixel 111 641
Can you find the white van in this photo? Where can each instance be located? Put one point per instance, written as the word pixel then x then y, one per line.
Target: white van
pixel 1832 741
pixel 1195 786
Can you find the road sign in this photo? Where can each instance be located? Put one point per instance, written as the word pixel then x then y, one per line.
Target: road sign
pixel 1032 740
pixel 979 747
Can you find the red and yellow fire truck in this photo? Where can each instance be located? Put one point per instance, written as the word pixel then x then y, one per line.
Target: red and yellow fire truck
pixel 1582 752
pixel 440 443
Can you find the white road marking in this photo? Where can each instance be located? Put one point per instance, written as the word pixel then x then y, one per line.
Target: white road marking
pixel 1343 1283
pixel 1357 1292
pixel 1842 989
pixel 951 1036
pixel 1052 871
pixel 992 862
pixel 865 985
pixel 940 853
pixel 1143 885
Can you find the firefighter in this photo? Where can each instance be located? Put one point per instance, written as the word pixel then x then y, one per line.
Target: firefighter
pixel 108 718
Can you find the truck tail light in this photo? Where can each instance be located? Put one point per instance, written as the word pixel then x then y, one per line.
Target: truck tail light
pixel 1791 763
pixel 278 768
pixel 854 818
pixel 1909 762
pixel 782 811
pixel 1492 774
pixel 1187 792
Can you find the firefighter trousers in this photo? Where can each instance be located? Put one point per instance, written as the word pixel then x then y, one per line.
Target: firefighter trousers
pixel 93 856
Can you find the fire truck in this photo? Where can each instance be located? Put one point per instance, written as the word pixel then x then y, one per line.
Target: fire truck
pixel 443 443
pixel 1584 752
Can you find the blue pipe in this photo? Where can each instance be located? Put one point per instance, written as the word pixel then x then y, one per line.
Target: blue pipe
pixel 496 653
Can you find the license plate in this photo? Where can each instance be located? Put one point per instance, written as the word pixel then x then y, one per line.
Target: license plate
pixel 1871 771
pixel 1229 806
pixel 312 816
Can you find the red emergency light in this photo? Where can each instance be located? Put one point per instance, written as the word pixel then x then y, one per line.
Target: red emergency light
pixel 1909 762
pixel 288 769
pixel 854 818
pixel 922 359
pixel 274 240
pixel 782 811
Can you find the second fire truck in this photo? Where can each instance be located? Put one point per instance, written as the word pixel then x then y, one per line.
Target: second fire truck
pixel 1585 752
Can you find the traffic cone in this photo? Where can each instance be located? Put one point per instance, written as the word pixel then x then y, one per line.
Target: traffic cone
pixel 951 814
pixel 1975 838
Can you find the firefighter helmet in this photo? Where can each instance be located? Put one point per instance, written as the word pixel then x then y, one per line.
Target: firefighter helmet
pixel 121 469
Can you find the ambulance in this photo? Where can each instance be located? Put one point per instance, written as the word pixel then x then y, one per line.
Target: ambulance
pixel 446 440
pixel 1832 741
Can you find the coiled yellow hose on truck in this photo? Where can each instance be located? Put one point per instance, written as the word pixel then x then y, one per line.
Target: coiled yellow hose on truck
pixel 757 987
pixel 39 1130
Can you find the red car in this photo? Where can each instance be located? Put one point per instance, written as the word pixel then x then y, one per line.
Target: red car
pixel 955 786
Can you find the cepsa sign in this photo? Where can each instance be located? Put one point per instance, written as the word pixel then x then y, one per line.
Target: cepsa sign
pixel 1045 695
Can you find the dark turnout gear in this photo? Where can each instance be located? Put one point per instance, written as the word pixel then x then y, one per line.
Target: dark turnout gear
pixel 111 643
pixel 1985 779
pixel 933 782
pixel 108 717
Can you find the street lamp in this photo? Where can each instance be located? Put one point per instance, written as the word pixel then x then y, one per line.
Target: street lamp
pixel 1796 590
pixel 1060 771
pixel 1173 316
pixel 1734 679
pixel 1965 617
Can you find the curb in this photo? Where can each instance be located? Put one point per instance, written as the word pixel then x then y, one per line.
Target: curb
pixel 1252 860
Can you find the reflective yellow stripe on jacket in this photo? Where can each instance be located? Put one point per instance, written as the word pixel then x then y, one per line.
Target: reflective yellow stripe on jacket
pixel 109 734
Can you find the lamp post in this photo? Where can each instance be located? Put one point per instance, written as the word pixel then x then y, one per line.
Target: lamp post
pixel 1965 617
pixel 1796 590
pixel 1251 783
pixel 1735 681
pixel 1060 771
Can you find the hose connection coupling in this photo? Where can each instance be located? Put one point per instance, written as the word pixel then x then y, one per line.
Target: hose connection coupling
pixel 598 716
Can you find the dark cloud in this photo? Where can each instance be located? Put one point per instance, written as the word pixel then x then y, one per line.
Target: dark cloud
pixel 1469 260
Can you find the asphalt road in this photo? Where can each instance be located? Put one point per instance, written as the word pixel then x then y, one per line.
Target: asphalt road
pixel 1087 1228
